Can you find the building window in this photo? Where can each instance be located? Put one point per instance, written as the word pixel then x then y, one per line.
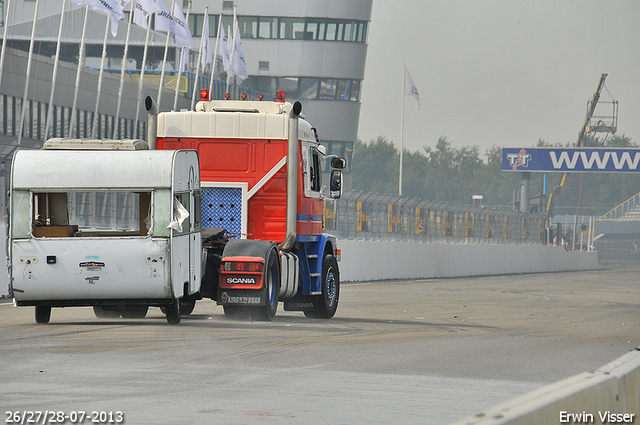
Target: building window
pixel 195 25
pixel 341 149
pixel 272 27
pixel 362 31
pixel 327 88
pixel 308 88
pixel 268 27
pixel 3 113
pixel 290 87
pixel 344 89
pixel 248 26
pixel 311 32
pixel 355 91
pixel 11 115
pixel 41 119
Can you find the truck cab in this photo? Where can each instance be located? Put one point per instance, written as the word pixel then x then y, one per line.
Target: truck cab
pixel 261 176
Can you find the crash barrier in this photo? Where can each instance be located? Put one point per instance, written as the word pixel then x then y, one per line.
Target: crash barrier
pixel 377 260
pixel 611 394
pixel 358 215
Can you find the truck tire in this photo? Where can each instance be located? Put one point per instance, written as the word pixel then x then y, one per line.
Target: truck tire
pixel 271 287
pixel 327 303
pixel 104 313
pixel 173 312
pixel 43 313
pixel 134 312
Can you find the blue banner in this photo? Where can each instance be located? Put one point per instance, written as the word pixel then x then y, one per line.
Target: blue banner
pixel 571 160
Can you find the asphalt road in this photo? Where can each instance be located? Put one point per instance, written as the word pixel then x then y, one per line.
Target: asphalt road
pixel 427 352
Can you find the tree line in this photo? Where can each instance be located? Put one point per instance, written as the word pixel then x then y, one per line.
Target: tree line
pixel 446 173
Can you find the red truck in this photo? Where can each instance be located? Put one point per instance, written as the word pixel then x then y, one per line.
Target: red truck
pixel 261 205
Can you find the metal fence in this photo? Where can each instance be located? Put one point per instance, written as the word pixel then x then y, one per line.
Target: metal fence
pixel 627 210
pixel 367 216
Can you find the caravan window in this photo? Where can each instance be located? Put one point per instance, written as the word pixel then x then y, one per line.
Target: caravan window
pixel 91 214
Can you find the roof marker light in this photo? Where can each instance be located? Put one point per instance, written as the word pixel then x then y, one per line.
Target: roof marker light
pixel 204 95
pixel 244 96
pixel 227 96
pixel 280 96
pixel 260 96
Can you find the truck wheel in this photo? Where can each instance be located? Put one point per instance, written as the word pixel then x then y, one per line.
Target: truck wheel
pixel 134 312
pixel 272 288
pixel 327 303
pixel 173 312
pixel 43 313
pixel 104 313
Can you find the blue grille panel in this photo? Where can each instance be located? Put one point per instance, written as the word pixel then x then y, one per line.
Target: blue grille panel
pixel 222 207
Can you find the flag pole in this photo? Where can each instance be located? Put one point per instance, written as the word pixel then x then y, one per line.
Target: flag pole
pixel 164 59
pixel 175 96
pixel 4 38
pixel 195 82
pixel 78 72
pixel 116 124
pixel 404 82
pixel 232 37
pixel 230 72
pixel 94 128
pixel 215 57
pixel 140 83
pixel 55 73
pixel 26 84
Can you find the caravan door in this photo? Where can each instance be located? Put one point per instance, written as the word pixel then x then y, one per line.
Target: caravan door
pixel 186 244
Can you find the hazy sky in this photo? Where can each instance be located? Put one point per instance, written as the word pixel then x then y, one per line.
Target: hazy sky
pixel 499 72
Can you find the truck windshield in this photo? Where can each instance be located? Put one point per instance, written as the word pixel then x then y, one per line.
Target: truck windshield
pixel 91 214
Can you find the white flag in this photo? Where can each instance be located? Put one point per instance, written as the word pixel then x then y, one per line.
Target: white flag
pixel 163 18
pixel 207 56
pixel 174 24
pixel 181 32
pixel 224 49
pixel 112 8
pixel 409 87
pixel 239 64
pixel 143 9
pixel 184 59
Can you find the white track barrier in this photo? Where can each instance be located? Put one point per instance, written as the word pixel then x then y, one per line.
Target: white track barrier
pixel 377 260
pixel 611 394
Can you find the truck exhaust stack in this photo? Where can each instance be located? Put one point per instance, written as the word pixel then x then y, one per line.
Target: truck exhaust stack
pixel 292 179
pixel 152 122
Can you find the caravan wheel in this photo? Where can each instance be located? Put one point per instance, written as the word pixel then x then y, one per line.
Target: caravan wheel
pixel 43 313
pixel 173 312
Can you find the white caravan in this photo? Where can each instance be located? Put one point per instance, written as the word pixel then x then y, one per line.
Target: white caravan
pixel 109 224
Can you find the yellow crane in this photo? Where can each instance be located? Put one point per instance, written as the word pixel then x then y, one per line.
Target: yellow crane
pixel 558 190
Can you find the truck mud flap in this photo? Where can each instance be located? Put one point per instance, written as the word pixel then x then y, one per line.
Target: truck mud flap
pixel 300 303
pixel 241 297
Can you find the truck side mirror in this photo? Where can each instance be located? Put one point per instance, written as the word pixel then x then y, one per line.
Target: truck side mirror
pixel 337 162
pixel 335 185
